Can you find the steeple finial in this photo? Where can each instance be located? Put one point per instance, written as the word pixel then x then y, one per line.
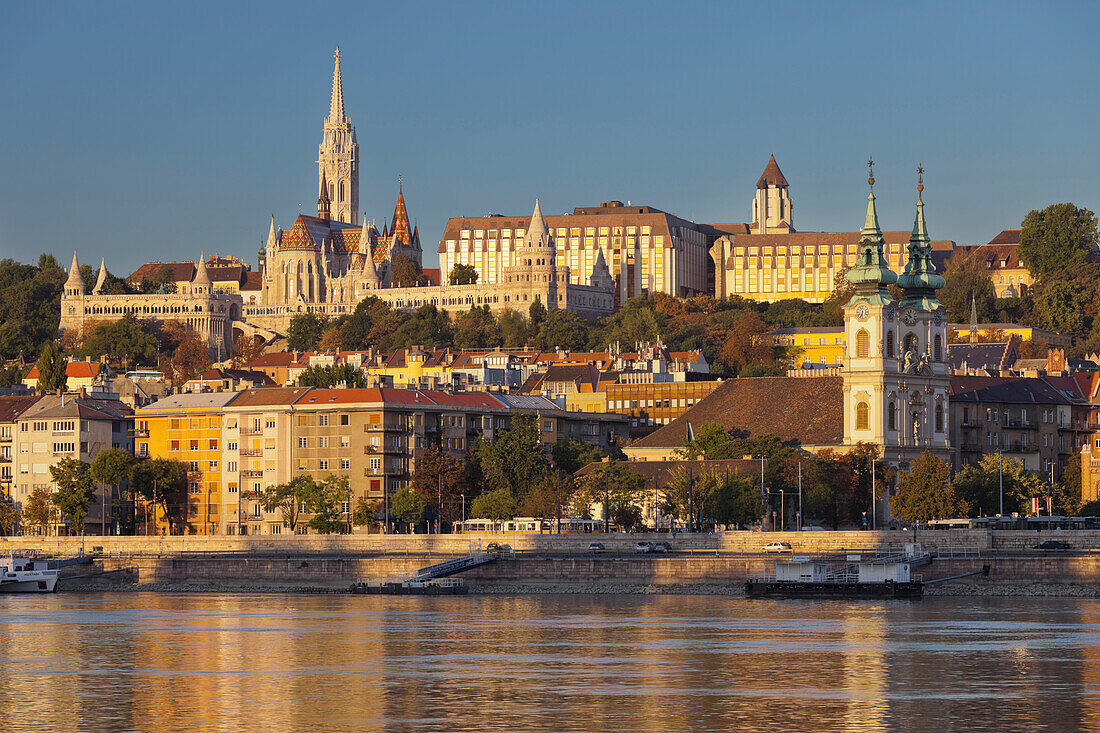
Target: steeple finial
pixel 74 283
pixel 920 182
pixel 871 173
pixel 323 201
pixel 336 107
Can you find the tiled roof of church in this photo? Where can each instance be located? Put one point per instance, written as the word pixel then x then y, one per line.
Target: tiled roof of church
pixel 308 232
pixel 771 176
pixel 803 410
pixel 402 232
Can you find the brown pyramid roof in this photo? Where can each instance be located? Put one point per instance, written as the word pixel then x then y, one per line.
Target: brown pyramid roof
pixel 771 176
pixel 401 231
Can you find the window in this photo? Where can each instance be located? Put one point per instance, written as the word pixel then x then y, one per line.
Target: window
pixel 231 446
pixel 64 447
pixel 892 416
pixel 376 463
pixel 213 465
pixel 890 344
pixel 193 466
pixel 303 442
pixel 345 442
pixel 173 445
pixel 863 343
pixel 322 442
pixel 345 464
pixel 64 426
pixel 231 466
pixel 269 424
pixel 194 445
pixel 939 416
pixel 38 426
pixel 937 348
pixel 862 416
pixel 345 419
pixel 213 445
pixel 194 487
pixel 323 465
pixel 322 420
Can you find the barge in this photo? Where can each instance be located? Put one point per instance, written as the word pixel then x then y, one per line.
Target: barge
pixel 438 587
pixel 856 576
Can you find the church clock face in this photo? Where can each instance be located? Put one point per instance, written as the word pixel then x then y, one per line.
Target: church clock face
pixel 908 316
pixel 890 313
pixel 862 311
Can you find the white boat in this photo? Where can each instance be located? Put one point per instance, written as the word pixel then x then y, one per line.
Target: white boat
pixel 21 574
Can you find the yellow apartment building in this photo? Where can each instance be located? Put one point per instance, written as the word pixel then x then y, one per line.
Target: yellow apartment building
pixel 188 428
pixel 815 347
pixel 961 332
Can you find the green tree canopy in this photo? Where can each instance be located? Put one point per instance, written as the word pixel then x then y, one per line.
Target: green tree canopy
pixel 562 329
pixel 9 515
pixel 1059 236
pixel 162 481
pixel 978 487
pixel 617 489
pixel 514 460
pixel 571 455
pixel 463 275
pixel 127 340
pixel 290 499
pixel 305 331
pixel 37 509
pixel 75 490
pixel 407 506
pixel 497 505
pixel 326 376
pixel 52 375
pixel 477 328
pixel 925 493
pixel 325 501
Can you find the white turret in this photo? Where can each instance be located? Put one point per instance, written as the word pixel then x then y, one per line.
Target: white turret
pixel 74 286
pixel 101 281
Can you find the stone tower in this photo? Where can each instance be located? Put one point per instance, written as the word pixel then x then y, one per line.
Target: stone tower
pixel 895 364
pixel 338 156
pixel 772 208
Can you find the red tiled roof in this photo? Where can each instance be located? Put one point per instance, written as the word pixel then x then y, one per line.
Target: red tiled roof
pixel 383 395
pixel 806 410
pixel 1007 236
pixel 73 369
pixel 252 281
pixel 181 271
pixel 12 406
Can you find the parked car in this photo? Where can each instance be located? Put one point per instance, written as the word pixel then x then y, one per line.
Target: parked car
pixel 662 547
pixel 1053 545
pixel 595 547
pixel 643 547
pixel 813 528
pixel 493 548
pixel 776 547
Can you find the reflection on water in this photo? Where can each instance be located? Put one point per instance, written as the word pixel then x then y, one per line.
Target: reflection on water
pixel 271 662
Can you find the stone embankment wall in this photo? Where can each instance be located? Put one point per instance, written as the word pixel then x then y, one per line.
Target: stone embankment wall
pixel 449 544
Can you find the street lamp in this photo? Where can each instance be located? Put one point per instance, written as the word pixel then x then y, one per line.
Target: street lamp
pixel 763 491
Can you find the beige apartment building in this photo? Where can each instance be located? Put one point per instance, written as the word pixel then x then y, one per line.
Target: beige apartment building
pixel 68 426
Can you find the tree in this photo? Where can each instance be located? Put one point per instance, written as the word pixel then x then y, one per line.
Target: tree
pixel 561 329
pixel 326 376
pixel 548 499
pixel 463 275
pixel 925 492
pixel 514 460
pixel 741 340
pixel 427 326
pixel 37 509
pixel 29 312
pixel 407 506
pixel 75 490
pixel 163 482
pixel 476 329
pixel 246 349
pixel 325 501
pixel 439 476
pixel 9 515
pixel 979 487
pixel 966 277
pixel 736 500
pixel 366 512
pixel 189 359
pixel 11 375
pixel 515 331
pixel 127 340
pixel 289 499
pixel 571 455
pixel 52 366
pixel 305 331
pixel 163 281
pixel 710 442
pixel 497 505
pixel 617 489
pixel 113 466
pixel 1059 236
pixel 407 273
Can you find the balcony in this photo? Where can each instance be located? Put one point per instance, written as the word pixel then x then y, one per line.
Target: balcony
pixel 252 451
pixel 1019 448
pixel 194 475
pixel 250 430
pixel 136 432
pixel 1021 424
pixel 971 448
pixel 248 517
pixel 252 474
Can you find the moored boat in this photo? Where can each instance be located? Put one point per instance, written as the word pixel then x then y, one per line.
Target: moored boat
pixel 24 574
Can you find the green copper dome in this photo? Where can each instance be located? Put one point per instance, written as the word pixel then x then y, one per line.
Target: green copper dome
pixel 871 273
pixel 920 280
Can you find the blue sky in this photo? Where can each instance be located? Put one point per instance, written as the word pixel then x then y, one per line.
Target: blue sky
pixel 154 130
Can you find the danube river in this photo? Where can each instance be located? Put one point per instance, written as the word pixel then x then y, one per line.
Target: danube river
pixel 199 662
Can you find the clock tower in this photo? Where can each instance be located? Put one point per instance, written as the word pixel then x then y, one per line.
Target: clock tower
pixel 895 366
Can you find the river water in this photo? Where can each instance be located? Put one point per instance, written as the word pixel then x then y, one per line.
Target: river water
pixel 198 662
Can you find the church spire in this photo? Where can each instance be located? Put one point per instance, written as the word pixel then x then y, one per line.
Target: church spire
pixel 920 281
pixel 872 273
pixel 336 107
pixel 537 233
pixel 323 199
